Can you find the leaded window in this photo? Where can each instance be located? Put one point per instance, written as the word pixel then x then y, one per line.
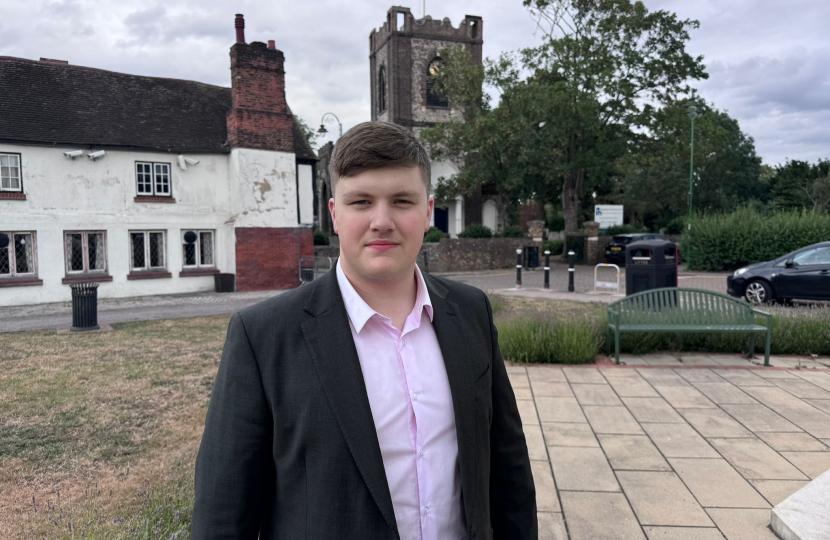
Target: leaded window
pixel 10 177
pixel 86 252
pixel 381 89
pixel 147 250
pixel 153 179
pixel 197 248
pixel 17 254
pixel 434 98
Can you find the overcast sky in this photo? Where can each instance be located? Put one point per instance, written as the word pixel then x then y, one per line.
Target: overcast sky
pixel 768 60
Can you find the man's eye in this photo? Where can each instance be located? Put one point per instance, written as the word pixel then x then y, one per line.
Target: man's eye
pixel 360 203
pixel 403 201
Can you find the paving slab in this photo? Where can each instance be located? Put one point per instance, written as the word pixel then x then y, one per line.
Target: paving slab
pixel 758 418
pixel 803 515
pixel 699 375
pixel 582 469
pixel 583 376
pixel 715 483
pixel 793 442
pixel 515 369
pixel 663 377
pixel 559 409
pixel 551 526
pixel 523 393
pixel 661 360
pixel 743 377
pixel 535 443
pixel 632 359
pixel 633 453
pixel 595 394
pixel 619 373
pixel 742 524
pixel 546 499
pixel 818 378
pixel 682 533
pixel 527 411
pixel 546 373
pixel 714 423
pixel 820 404
pixel 595 516
pixel 775 374
pixel 631 387
pixel 730 360
pixel 684 397
pixel 800 413
pixel 551 389
pixel 802 389
pixel 615 420
pixel 813 464
pixel 776 491
pixel 652 410
pixel 679 440
pixel 697 360
pixel 560 434
pixel 518 380
pixel 755 460
pixel 660 498
pixel 723 393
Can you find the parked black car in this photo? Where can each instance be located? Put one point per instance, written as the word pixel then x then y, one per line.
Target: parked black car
pixel 615 250
pixel 802 274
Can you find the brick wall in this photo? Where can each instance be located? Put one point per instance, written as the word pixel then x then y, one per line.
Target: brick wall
pixel 268 258
pixel 259 116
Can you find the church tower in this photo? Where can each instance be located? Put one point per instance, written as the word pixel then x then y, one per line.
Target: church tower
pixel 403 54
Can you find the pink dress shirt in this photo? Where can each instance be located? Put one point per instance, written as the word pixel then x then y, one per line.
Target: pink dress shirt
pixel 411 403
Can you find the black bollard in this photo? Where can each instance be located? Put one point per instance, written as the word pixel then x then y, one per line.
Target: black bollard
pixel 571 271
pixel 547 269
pixel 518 268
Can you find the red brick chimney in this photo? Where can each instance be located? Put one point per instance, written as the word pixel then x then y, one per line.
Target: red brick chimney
pixel 259 116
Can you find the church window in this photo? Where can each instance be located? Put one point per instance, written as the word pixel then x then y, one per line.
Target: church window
pixel 434 99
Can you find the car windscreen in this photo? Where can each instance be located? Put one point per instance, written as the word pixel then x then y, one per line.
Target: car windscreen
pixel 622 239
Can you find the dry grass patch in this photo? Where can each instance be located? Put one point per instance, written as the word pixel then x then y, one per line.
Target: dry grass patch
pixel 89 422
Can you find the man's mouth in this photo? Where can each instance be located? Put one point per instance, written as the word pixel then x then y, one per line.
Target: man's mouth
pixel 382 245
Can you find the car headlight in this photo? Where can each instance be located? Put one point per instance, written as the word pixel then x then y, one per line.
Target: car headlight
pixel 739 271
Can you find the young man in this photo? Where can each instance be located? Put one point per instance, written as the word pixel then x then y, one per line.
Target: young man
pixel 372 403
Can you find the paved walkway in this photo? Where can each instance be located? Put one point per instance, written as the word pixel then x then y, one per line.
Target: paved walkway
pixel 693 450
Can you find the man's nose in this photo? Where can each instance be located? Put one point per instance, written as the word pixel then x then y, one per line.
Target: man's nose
pixel 382 218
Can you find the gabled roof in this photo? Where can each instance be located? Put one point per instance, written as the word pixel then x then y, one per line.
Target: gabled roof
pixel 57 103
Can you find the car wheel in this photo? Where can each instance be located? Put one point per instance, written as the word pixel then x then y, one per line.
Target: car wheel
pixel 759 292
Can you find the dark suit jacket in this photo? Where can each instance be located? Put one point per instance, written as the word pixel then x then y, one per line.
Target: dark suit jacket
pixel 290 450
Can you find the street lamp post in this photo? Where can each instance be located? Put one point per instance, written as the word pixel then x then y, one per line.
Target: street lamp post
pixel 692 115
pixel 329 118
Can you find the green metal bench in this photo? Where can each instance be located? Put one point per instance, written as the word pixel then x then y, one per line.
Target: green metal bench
pixel 684 310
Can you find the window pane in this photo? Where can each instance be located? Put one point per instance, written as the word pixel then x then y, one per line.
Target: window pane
pixel 190 254
pixel 4 161
pixel 96 251
pixel 75 252
pixel 137 241
pixel 14 161
pixel 5 182
pixel 5 263
pixel 823 256
pixel 806 257
pixel 144 179
pixel 162 179
pixel 24 253
pixel 157 250
pixel 15 178
pixel 206 244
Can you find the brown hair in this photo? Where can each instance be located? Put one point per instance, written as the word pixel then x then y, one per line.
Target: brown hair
pixel 374 145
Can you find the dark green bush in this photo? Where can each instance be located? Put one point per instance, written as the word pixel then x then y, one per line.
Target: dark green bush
pixel 321 238
pixel 623 229
pixel 565 341
pixel 511 231
pixel 434 235
pixel 476 230
pixel 729 241
pixel 677 225
pixel 555 223
pixel 554 246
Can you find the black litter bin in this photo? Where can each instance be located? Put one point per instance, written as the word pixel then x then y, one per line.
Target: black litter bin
pixel 84 307
pixel 531 256
pixel 650 264
pixel 224 282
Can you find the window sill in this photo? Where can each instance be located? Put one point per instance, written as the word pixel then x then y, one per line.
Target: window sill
pixel 89 278
pixel 149 275
pixel 12 195
pixel 145 198
pixel 20 282
pixel 439 107
pixel 198 272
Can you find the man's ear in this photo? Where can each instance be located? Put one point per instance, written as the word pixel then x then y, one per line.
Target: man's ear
pixel 430 208
pixel 333 218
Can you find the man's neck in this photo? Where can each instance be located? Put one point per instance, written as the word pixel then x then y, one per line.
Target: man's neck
pixel 394 298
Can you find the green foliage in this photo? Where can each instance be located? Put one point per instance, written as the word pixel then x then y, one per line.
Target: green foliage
pixel 677 226
pixel 540 341
pixel 623 229
pixel 434 234
pixel 554 246
pixel 729 241
pixel 511 231
pixel 321 238
pixel 476 230
pixel 798 184
pixel 576 243
pixel 310 134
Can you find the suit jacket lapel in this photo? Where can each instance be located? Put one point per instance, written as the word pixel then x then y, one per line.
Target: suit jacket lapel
pixel 332 348
pixel 449 328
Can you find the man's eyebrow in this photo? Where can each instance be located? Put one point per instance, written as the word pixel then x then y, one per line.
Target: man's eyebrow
pixel 367 195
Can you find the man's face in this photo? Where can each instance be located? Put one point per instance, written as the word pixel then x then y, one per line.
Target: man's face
pixel 381 216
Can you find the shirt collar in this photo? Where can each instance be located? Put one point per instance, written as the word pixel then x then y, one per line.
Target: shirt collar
pixel 360 312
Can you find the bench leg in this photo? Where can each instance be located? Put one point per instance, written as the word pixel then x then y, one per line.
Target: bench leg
pixel 617 347
pixel 607 340
pixel 766 349
pixel 751 346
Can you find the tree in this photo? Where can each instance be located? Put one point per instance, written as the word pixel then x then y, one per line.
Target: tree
pixel 310 134
pixel 595 79
pixel 799 184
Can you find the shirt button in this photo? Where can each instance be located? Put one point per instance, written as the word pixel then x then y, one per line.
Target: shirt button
pixel 403 342
pixel 415 396
pixel 422 452
pixel 426 510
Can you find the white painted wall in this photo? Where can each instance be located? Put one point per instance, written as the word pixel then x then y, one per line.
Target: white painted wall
pixel 249 188
pixel 489 215
pixel 305 181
